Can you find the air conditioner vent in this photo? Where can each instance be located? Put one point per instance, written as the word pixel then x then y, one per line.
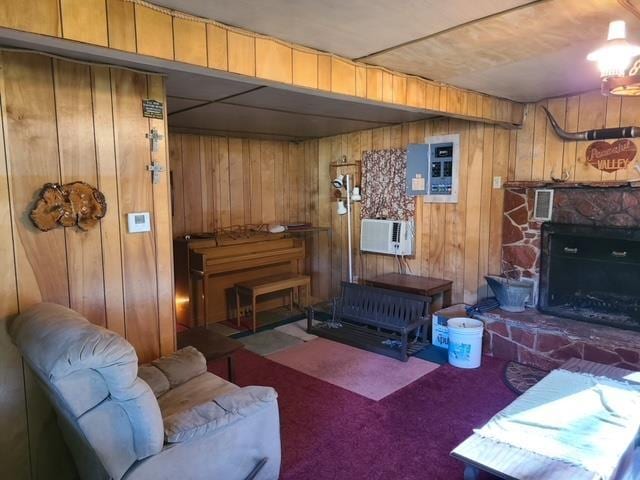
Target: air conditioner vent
pixel 395 236
pixel 543 206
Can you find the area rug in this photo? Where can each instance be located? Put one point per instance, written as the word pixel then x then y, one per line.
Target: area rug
pixel 298 329
pixel 365 373
pixel 520 378
pixel 269 341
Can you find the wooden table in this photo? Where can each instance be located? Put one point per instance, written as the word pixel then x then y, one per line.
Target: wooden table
pixel 424 286
pixel 271 284
pixel 212 345
pixel 511 463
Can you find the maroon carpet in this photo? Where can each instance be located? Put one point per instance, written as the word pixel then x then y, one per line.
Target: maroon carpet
pixel 332 433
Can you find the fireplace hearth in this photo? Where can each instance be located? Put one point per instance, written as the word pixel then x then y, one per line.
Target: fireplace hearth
pixel 591 273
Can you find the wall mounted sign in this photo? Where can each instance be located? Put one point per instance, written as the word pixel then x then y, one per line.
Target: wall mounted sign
pixel 72 204
pixel 152 109
pixel 610 157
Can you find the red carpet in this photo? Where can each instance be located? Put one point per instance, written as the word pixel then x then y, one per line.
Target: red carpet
pixel 332 433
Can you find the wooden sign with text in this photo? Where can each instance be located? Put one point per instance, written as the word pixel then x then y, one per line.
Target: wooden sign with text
pixel 610 157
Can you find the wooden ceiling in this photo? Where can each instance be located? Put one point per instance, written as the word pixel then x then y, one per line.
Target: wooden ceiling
pixel 523 50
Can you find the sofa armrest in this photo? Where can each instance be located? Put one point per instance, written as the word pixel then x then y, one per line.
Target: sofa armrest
pixel 208 417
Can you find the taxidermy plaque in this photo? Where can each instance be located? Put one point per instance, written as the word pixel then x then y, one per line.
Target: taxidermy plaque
pixel 72 204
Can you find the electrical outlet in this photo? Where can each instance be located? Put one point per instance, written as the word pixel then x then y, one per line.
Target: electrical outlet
pixel 497 182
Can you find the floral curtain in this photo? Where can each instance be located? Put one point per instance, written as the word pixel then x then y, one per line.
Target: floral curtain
pixel 384 192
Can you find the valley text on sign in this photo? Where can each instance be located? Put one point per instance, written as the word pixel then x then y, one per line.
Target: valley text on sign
pixel 152 109
pixel 610 157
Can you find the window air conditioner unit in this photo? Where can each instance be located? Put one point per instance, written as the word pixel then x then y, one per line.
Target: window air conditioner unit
pixel 391 237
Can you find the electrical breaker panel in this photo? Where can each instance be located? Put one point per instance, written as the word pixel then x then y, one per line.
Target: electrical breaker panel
pixel 441 165
pixel 443 168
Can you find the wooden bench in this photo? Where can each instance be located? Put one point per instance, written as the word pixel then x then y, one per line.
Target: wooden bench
pixel 394 315
pixel 271 284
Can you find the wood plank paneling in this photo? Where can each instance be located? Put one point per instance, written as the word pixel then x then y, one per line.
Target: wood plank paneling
pixel 540 153
pixel 108 185
pixel 252 181
pixel 190 41
pixel 241 53
pixel 273 61
pixel 343 77
pixel 135 195
pixel 217 47
pixel 85 21
pixel 324 72
pixel 65 121
pixel 173 35
pixel 76 145
pixel 121 25
pixel 305 69
pixel 13 413
pixel 154 32
pixel 37 16
pixel 33 161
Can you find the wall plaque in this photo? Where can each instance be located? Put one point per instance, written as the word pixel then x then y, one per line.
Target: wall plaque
pixel 610 157
pixel 152 109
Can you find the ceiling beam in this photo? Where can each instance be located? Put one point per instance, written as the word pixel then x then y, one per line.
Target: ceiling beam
pixel 141 28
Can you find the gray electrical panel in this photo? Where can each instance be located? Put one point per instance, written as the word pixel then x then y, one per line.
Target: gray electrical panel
pixel 417 169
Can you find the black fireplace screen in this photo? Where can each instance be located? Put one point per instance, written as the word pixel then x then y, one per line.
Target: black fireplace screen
pixel 591 274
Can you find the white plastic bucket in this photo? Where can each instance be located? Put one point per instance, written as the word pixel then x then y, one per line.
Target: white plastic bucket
pixel 465 342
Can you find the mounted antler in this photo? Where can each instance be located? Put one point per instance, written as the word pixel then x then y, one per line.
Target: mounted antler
pixel 564 176
pixel 597 134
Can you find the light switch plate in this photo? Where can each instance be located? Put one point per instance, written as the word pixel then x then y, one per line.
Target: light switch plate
pixel 497 182
pixel 139 222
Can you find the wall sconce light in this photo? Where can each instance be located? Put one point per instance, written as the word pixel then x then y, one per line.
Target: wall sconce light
pixel 342 209
pixel 355 195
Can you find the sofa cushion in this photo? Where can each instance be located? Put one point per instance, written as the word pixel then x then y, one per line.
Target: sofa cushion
pixel 154 377
pixel 200 389
pixel 182 365
pixel 207 417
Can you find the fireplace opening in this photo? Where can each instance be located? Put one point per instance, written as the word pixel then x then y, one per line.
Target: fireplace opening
pixel 591 274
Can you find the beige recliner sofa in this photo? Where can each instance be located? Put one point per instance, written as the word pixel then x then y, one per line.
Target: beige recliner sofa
pixel 167 420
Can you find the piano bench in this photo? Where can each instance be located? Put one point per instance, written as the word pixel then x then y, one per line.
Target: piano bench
pixel 271 284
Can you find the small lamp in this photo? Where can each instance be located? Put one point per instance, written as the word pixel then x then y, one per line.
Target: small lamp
pixel 338 182
pixel 342 209
pixel 355 195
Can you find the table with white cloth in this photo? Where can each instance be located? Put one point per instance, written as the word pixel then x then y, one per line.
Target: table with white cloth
pixel 580 422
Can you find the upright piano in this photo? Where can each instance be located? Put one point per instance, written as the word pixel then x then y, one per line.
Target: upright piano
pixel 206 269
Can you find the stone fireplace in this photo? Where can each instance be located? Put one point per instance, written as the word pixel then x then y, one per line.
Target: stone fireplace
pixel 591 273
pixel 608 221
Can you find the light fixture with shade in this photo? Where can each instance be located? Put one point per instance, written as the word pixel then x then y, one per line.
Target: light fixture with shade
pixel 344 208
pixel 620 74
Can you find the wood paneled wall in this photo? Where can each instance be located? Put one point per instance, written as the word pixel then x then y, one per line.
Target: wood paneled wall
pixel 541 153
pixel 61 122
pixel 136 27
pixel 460 242
pixel 221 181
pixel 224 181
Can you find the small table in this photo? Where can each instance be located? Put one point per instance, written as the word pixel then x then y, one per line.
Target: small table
pixel 424 286
pixel 505 461
pixel 212 345
pixel 271 284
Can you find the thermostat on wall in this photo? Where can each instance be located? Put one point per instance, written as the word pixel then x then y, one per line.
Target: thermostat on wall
pixel 139 222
